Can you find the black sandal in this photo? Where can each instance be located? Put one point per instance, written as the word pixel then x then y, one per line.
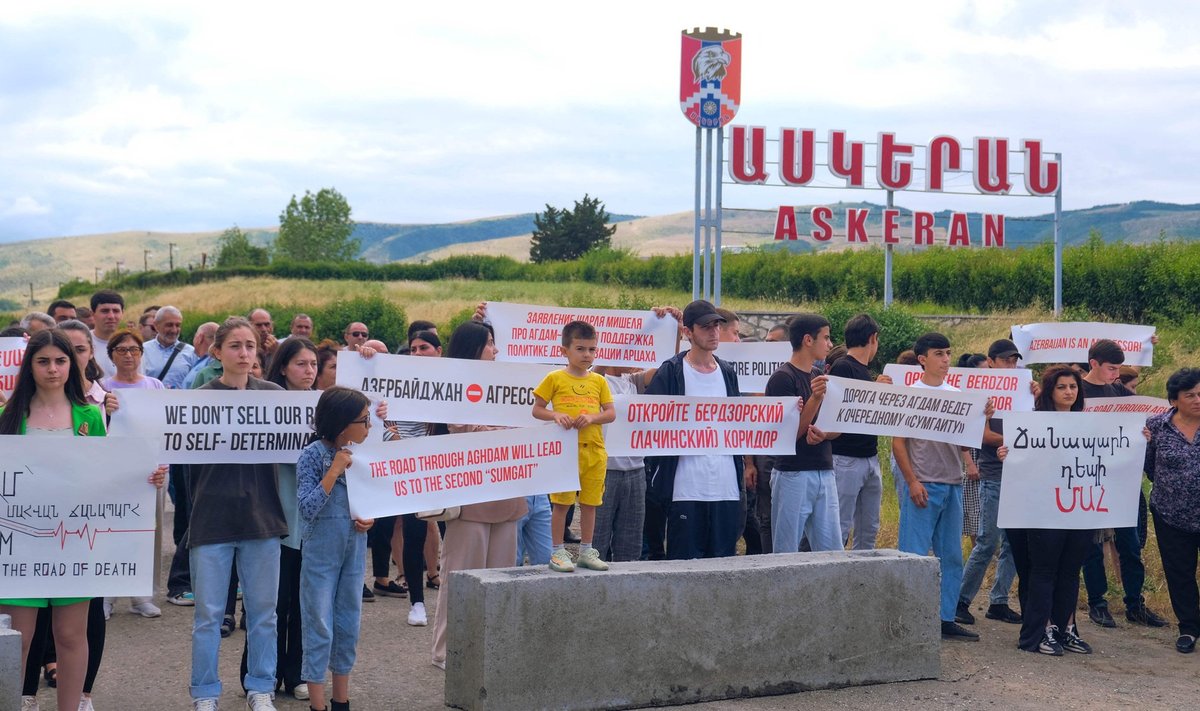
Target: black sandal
pixel 429 581
pixel 51 676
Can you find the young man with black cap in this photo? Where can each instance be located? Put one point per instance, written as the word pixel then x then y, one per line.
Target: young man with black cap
pixel 991 540
pixel 1103 380
pixel 700 493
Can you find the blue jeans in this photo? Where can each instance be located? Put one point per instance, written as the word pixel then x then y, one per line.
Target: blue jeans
pixel 533 532
pixel 937 527
pixel 1133 571
pixel 331 582
pixel 989 541
pixel 805 504
pixel 258 570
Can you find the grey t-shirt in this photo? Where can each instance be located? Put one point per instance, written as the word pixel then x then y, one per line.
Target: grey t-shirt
pixel 935 462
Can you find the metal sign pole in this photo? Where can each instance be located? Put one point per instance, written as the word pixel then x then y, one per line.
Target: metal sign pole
pixel 1058 247
pixel 708 157
pixel 887 259
pixel 717 226
pixel 696 249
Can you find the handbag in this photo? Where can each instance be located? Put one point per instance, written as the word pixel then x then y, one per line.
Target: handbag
pixel 446 514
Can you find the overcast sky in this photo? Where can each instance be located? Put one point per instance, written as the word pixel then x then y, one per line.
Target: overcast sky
pixel 164 116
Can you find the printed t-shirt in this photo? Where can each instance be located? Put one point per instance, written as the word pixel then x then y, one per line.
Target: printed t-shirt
pixel 577 396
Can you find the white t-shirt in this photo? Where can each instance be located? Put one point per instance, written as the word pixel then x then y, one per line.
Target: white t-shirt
pixel 100 346
pixel 710 477
pixel 622 385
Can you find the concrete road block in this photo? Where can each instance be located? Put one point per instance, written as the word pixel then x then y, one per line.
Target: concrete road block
pixel 10 665
pixel 674 632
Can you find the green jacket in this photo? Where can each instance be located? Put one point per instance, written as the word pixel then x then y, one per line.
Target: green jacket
pixel 81 415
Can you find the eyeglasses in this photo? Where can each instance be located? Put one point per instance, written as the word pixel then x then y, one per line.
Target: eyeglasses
pixel 359 334
pixel 127 350
pixel 366 422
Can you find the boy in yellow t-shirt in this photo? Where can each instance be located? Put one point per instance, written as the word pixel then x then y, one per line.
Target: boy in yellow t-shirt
pixel 581 401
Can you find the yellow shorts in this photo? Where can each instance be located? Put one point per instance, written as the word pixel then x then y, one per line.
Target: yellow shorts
pixel 593 466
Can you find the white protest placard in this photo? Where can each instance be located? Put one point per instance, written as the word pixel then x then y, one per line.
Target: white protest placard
pixel 533 334
pixel 12 351
pixel 218 426
pixel 862 407
pixel 77 517
pixel 1141 404
pixel 665 425
pixel 755 361
pixel 1071 470
pixel 424 473
pixel 1069 342
pixel 1009 388
pixel 450 390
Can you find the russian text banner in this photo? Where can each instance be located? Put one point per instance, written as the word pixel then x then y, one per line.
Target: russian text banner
pixel 1069 342
pixel 533 334
pixel 1009 388
pixel 755 361
pixel 77 518
pixel 664 425
pixel 861 407
pixel 218 426
pixel 424 473
pixel 1071 470
pixel 450 390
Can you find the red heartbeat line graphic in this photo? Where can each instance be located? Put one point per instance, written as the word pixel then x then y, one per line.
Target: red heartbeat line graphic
pixel 62 533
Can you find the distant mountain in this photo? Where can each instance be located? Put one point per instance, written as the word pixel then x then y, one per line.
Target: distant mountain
pixel 44 263
pixel 383 242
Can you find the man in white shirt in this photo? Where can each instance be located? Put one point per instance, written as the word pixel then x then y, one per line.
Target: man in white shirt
pixel 108 309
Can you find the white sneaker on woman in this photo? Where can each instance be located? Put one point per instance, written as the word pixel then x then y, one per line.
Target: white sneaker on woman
pixel 29 703
pixel 85 703
pixel 145 607
pixel 416 616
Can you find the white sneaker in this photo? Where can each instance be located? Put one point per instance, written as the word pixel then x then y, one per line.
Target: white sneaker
pixel 108 606
pixel 260 701
pixel 416 616
pixel 144 607
pixel 590 558
pixel 440 664
pixel 300 692
pixel 29 703
pixel 85 703
pixel 204 705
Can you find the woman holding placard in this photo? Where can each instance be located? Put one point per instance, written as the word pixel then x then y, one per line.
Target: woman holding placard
pixel 235 509
pixel 49 401
pixel 484 535
pixel 1048 560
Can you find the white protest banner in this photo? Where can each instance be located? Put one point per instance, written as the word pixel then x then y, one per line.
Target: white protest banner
pixel 1141 404
pixel 77 517
pixel 12 351
pixel 664 425
pixel 754 361
pixel 1009 388
pixel 1071 470
pixel 862 407
pixel 1069 342
pixel 450 390
pixel 218 426
pixel 533 334
pixel 424 473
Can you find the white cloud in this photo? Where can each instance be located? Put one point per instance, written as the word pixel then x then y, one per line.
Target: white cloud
pixel 168 116
pixel 25 206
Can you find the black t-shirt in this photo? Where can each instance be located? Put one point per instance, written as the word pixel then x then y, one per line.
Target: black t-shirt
pixel 790 381
pixel 1116 389
pixel 990 465
pixel 853 445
